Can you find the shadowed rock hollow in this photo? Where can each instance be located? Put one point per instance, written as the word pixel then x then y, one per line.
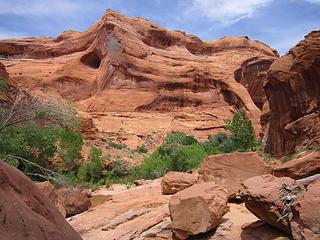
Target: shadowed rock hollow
pixel 132 66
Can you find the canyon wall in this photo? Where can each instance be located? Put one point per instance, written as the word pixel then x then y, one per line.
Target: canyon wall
pixel 135 77
pixel 293 91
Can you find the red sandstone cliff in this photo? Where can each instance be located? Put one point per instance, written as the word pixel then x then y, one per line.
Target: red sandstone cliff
pixel 293 91
pixel 121 68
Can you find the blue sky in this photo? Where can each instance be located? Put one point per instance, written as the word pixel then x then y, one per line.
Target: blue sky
pixel 279 23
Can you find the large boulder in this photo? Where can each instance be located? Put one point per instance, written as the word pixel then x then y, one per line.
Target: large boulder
pixel 174 182
pixel 305 223
pixel 25 213
pixel 293 92
pixel 305 165
pixel 197 209
pixel 75 201
pixel 51 193
pixel 231 169
pixel 263 197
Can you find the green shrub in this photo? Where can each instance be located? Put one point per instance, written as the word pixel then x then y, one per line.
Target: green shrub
pixel 141 149
pixel 3 84
pixel 82 174
pixel 114 176
pixel 242 133
pixel 29 142
pixel 179 138
pixel 153 166
pixel 95 165
pixel 179 152
pixel 117 145
pixel 216 144
pixel 70 148
pixel 187 158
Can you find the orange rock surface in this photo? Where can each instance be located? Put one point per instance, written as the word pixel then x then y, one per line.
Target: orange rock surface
pixel 293 91
pixel 135 76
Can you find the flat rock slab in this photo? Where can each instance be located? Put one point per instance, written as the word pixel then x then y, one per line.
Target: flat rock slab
pixel 229 170
pixel 305 165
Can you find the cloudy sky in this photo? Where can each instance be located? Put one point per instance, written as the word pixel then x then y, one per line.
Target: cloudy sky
pixel 279 23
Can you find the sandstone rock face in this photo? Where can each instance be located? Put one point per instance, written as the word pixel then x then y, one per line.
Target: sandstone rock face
pixel 253 74
pixel 174 182
pixel 74 200
pixel 197 209
pixel 26 213
pixel 51 194
pixel 261 195
pixel 305 165
pixel 293 91
pixel 3 73
pixel 231 169
pixel 305 222
pixel 121 69
pixel 137 213
pixel 69 201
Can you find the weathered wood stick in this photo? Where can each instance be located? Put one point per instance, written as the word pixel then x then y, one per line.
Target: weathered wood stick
pixel 306 181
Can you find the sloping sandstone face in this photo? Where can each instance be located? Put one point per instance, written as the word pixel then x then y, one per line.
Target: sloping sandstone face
pixel 229 170
pixel 125 64
pixel 262 196
pixel 293 91
pixel 131 214
pixel 25 213
pixel 3 73
pixel 253 74
pixel 305 165
pixel 305 222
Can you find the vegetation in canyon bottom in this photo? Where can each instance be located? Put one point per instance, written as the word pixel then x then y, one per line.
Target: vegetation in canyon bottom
pixel 42 138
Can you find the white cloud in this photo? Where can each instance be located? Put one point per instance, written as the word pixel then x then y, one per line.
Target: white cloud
pixel 227 11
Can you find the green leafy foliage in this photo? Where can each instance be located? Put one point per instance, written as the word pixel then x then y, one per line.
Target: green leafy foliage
pixel 95 166
pixel 116 174
pixel 179 152
pixel 187 158
pixel 3 84
pixel 91 171
pixel 117 145
pixel 70 148
pixel 242 133
pixel 29 142
pixel 82 174
pixel 141 149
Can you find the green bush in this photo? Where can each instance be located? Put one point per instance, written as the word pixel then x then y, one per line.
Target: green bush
pixel 117 145
pixel 95 165
pixel 115 175
pixel 153 166
pixel 3 84
pixel 216 144
pixel 141 149
pixel 242 133
pixel 179 152
pixel 70 148
pixel 29 142
pixel 82 174
pixel 187 158
pixel 179 138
